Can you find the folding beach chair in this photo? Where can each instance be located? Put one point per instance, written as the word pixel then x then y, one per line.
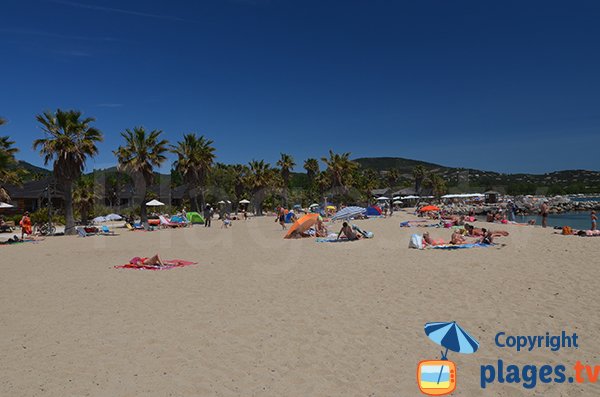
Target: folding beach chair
pixel 105 230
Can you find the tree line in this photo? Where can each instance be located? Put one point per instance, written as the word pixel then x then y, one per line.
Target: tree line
pixel 70 139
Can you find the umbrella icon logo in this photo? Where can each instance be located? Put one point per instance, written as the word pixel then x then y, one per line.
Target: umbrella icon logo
pixel 438 377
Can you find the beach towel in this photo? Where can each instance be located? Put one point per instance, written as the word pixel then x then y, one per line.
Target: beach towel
pixel 332 240
pixel 411 224
pixel 169 264
pixel 460 246
pixel 364 233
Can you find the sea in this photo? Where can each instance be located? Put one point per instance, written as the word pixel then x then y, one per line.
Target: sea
pixel 577 220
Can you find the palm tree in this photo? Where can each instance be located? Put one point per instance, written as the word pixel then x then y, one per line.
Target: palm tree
pixel 195 156
pixel 286 163
pixel 312 168
pixel 141 153
pixel 260 177
pixel 114 182
pixel 69 141
pixel 419 173
pixel 323 183
pixel 392 177
pixel 437 183
pixel 340 169
pixel 8 174
pixel 239 181
pixel 84 196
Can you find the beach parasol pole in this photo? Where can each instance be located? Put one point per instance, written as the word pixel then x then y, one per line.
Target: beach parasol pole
pixel 442 369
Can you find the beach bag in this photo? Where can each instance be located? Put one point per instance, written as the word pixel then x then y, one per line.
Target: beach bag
pixel 416 241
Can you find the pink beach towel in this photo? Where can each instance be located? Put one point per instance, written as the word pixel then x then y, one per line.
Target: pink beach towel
pixel 169 264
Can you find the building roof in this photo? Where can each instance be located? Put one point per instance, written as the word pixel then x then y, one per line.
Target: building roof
pixel 34 189
pixel 380 192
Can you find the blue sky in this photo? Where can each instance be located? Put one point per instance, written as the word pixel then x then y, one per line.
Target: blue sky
pixel 511 86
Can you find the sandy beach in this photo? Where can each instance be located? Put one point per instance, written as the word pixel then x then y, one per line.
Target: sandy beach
pixel 263 316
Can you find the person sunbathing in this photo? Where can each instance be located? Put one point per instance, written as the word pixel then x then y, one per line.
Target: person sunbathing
pixel 488 237
pixel 321 229
pixel 12 240
pixel 154 261
pixel 476 232
pixel 429 241
pixel 457 238
pixel 348 232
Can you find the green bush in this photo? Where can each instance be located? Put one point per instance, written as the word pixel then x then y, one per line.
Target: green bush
pixel 41 216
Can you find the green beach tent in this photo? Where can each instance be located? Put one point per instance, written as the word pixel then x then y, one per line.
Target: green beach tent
pixel 195 217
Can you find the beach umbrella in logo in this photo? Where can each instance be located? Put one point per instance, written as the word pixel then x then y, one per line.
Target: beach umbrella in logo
pixel 348 212
pixel 452 337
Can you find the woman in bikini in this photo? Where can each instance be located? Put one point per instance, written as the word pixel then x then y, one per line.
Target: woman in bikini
pixel 154 261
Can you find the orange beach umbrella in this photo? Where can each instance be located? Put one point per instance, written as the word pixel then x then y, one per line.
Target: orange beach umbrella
pixel 302 224
pixel 429 208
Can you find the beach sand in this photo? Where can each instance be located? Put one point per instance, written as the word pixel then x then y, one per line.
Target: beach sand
pixel 263 316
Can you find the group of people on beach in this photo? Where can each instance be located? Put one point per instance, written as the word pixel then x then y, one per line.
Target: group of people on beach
pixel 483 235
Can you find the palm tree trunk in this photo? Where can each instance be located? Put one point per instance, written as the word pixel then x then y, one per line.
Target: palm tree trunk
pixel 143 209
pixel 202 200
pixel 69 218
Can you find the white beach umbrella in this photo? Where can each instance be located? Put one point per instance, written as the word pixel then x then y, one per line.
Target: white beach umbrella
pixel 313 205
pixel 6 205
pixel 221 202
pixel 154 203
pixel 113 217
pixel 99 219
pixel 382 198
pixel 244 201
pixel 397 202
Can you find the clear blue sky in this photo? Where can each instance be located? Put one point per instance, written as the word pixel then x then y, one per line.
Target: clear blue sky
pixel 510 86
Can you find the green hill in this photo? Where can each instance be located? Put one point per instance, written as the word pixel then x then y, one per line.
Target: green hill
pixel 467 179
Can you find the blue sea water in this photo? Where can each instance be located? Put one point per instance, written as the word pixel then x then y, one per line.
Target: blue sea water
pixel 585 199
pixel 577 220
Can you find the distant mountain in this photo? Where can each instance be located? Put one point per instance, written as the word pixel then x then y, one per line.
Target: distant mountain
pixel 468 179
pixel 33 172
pixel 404 166
pixel 457 179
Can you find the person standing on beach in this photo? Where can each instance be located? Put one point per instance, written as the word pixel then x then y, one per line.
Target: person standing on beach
pixel 281 217
pixel 594 220
pixel 207 215
pixel 510 208
pixel 544 214
pixel 184 216
pixel 25 225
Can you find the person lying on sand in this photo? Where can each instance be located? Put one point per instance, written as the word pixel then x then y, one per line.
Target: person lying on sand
pixel 476 232
pixel 488 237
pixel 12 240
pixel 154 261
pixel 457 238
pixel 348 232
pixel 429 241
